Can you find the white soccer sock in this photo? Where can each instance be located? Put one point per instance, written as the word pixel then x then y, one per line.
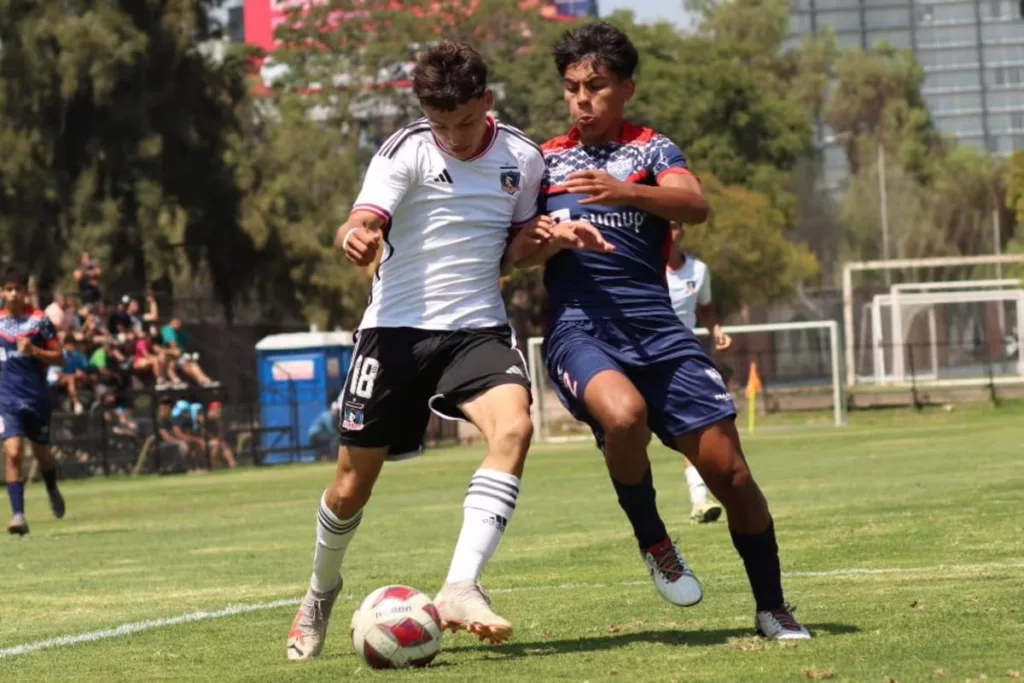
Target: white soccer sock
pixel 698 489
pixel 332 538
pixel 486 512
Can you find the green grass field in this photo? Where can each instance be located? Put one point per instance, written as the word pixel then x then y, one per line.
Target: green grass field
pixel 933 502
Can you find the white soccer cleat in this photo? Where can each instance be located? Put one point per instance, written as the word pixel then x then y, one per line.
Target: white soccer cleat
pixel 17 525
pixel 780 624
pixel 309 630
pixel 706 513
pixel 463 605
pixel 672 576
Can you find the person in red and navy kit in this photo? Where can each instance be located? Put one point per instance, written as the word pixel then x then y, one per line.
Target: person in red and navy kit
pixel 618 356
pixel 28 344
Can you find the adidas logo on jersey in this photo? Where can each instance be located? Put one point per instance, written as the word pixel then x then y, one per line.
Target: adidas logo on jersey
pixel 515 370
pixel 443 178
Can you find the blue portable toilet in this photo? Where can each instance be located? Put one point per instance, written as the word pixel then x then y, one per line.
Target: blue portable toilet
pixel 300 374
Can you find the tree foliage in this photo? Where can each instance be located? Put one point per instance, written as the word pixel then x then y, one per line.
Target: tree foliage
pixel 114 135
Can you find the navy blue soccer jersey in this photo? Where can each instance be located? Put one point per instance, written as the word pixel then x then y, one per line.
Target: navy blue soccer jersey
pixel 630 282
pixel 23 379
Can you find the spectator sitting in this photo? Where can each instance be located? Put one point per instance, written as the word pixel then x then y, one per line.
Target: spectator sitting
pixel 167 432
pixel 58 314
pixel 88 275
pixel 176 342
pixel 118 418
pixel 149 361
pixel 77 373
pixel 214 432
pixel 187 428
pixel 323 433
pixel 111 362
pixel 120 320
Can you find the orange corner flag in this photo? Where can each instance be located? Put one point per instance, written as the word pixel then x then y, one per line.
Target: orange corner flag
pixel 754 386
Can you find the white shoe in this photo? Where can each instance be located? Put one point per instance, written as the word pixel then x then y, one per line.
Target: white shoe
pixel 672 576
pixel 463 605
pixel 780 624
pixel 306 637
pixel 706 513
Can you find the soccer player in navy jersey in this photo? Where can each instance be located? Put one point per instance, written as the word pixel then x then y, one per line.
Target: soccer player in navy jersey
pixel 619 357
pixel 28 344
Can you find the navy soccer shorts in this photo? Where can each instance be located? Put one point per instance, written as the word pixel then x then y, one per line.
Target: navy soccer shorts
pixel 682 387
pixel 32 423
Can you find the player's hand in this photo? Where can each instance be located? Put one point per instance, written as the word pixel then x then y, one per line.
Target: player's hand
pixel 537 232
pixel 25 346
pixel 601 186
pixel 359 243
pixel 722 341
pixel 580 235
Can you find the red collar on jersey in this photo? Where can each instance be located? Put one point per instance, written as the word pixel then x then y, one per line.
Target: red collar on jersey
pixel 492 135
pixel 630 134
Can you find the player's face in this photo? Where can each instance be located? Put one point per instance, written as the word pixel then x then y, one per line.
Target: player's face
pixel 14 296
pixel 463 130
pixel 597 100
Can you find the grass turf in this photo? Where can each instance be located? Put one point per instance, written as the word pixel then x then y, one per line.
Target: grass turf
pixel 931 500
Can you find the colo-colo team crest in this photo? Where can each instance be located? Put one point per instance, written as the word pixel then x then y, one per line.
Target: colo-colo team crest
pixel 510 180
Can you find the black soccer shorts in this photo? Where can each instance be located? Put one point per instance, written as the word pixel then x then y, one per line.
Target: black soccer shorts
pixel 399 375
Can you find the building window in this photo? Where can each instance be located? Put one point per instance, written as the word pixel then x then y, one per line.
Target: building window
pixel 941 80
pixel 938 36
pixel 961 57
pixel 1017 120
pixel 953 13
pixel 1003 54
pixel 840 21
pixel 887 18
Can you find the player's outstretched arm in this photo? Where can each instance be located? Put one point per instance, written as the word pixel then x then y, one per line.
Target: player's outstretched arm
pixel 360 237
pixel 677 197
pixel 579 235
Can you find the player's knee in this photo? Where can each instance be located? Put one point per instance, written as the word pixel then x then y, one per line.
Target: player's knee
pixel 515 433
pixel 626 418
pixel 350 490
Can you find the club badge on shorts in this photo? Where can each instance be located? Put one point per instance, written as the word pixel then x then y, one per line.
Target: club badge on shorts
pixel 352 420
pixel 510 181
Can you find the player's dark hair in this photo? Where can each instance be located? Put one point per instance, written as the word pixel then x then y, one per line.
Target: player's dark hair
pixel 601 44
pixel 15 275
pixel 449 75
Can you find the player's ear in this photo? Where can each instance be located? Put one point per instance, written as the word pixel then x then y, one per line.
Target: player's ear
pixel 489 100
pixel 630 88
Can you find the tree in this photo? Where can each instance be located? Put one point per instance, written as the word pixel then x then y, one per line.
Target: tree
pixel 746 246
pixel 113 138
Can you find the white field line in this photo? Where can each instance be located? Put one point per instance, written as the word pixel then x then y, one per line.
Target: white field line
pixel 234 610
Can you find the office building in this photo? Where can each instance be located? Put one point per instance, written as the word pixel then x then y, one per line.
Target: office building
pixel 972 52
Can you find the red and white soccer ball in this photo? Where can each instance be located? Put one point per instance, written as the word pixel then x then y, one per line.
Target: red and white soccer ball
pixel 396 627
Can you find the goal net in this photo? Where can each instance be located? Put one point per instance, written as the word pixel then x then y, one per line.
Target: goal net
pixel 961 336
pixel 799 364
pixel 878 336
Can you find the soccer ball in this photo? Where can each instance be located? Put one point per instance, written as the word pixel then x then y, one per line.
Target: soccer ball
pixel 396 627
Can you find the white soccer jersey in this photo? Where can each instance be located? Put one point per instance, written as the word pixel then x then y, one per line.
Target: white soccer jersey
pixel 448 225
pixel 689 287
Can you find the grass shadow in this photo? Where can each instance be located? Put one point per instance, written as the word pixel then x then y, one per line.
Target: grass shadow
pixel 703 638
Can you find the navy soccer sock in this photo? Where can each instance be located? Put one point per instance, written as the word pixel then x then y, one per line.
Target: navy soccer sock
pixel 16 492
pixel 760 553
pixel 50 479
pixel 638 502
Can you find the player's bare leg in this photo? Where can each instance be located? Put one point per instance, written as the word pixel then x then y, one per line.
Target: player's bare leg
pixel 619 408
pixel 703 510
pixel 717 453
pixel 48 472
pixel 15 478
pixel 502 414
pixel 338 518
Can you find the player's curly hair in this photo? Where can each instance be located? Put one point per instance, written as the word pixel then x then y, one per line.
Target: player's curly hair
pixel 599 43
pixel 449 75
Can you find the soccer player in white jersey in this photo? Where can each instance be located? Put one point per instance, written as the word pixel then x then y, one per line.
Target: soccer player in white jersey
pixel 438 201
pixel 689 285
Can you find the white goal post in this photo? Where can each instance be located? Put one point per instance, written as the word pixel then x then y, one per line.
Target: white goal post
pixel 849 335
pixel 554 424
